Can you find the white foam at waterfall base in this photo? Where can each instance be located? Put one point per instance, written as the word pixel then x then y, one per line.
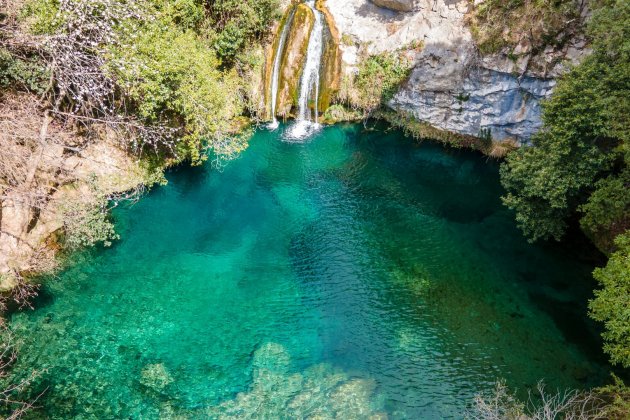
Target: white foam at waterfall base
pixel 301 130
pixel 306 122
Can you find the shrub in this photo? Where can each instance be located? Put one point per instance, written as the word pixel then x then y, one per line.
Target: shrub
pixel 87 223
pixel 377 80
pixel 610 305
pixel 584 138
pixel 606 214
pixel 617 395
pixel 238 22
pixel 22 73
pixel 501 404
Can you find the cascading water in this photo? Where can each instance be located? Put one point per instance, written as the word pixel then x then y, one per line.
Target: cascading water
pixel 306 122
pixel 275 77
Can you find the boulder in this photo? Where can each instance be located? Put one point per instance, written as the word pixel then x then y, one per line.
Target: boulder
pixel 396 5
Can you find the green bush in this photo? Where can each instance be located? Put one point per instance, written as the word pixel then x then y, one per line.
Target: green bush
pixel 376 82
pixel 172 76
pixel 41 17
pixel 22 73
pixel 496 24
pixel 585 134
pixel 610 305
pixel 238 22
pixel 607 212
pixel 617 395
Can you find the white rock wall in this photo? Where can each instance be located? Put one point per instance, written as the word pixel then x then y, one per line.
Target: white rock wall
pixel 451 87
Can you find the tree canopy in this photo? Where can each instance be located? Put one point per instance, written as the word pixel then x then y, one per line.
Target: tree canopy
pixel 584 140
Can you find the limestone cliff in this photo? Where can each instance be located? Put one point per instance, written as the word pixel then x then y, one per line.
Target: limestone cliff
pixel 453 86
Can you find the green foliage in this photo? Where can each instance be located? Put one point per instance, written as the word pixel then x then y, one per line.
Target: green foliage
pixel 239 22
pixel 185 14
pixel 184 64
pixel 337 113
pixel 618 396
pixel 586 124
pixel 41 16
pixel 87 223
pixel 611 302
pixel 377 81
pixel 607 212
pixel 22 73
pixel 172 75
pixel 380 76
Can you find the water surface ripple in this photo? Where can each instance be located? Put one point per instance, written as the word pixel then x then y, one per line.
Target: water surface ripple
pixel 356 274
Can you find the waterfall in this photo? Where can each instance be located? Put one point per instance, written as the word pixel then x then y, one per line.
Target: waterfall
pixel 275 77
pixel 306 122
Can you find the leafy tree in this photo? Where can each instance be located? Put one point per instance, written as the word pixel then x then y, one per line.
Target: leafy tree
pixel 607 212
pixel 238 22
pixel 585 134
pixel 172 75
pixel 612 303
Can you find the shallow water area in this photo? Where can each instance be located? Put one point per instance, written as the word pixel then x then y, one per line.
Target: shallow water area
pixel 354 274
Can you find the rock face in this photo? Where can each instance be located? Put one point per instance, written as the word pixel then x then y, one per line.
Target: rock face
pixel 450 91
pixel 300 19
pixel 293 58
pixel 452 87
pixel 68 170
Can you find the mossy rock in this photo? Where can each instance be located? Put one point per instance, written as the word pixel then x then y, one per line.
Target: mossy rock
pixel 293 58
pixel 301 19
pixel 272 52
pixel 331 60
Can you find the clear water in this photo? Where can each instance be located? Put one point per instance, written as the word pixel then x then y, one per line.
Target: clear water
pixel 357 274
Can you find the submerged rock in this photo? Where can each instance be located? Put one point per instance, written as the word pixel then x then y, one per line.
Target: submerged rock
pixel 318 392
pixel 155 377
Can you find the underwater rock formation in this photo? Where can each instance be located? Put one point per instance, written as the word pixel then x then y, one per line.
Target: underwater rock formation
pixel 320 392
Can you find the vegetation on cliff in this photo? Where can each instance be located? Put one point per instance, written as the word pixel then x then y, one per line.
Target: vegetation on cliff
pixel 377 80
pixel 579 167
pixel 161 80
pixel 533 24
pixel 611 302
pixel 581 156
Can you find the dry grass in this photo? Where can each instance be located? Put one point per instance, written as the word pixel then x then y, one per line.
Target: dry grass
pixel 500 149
